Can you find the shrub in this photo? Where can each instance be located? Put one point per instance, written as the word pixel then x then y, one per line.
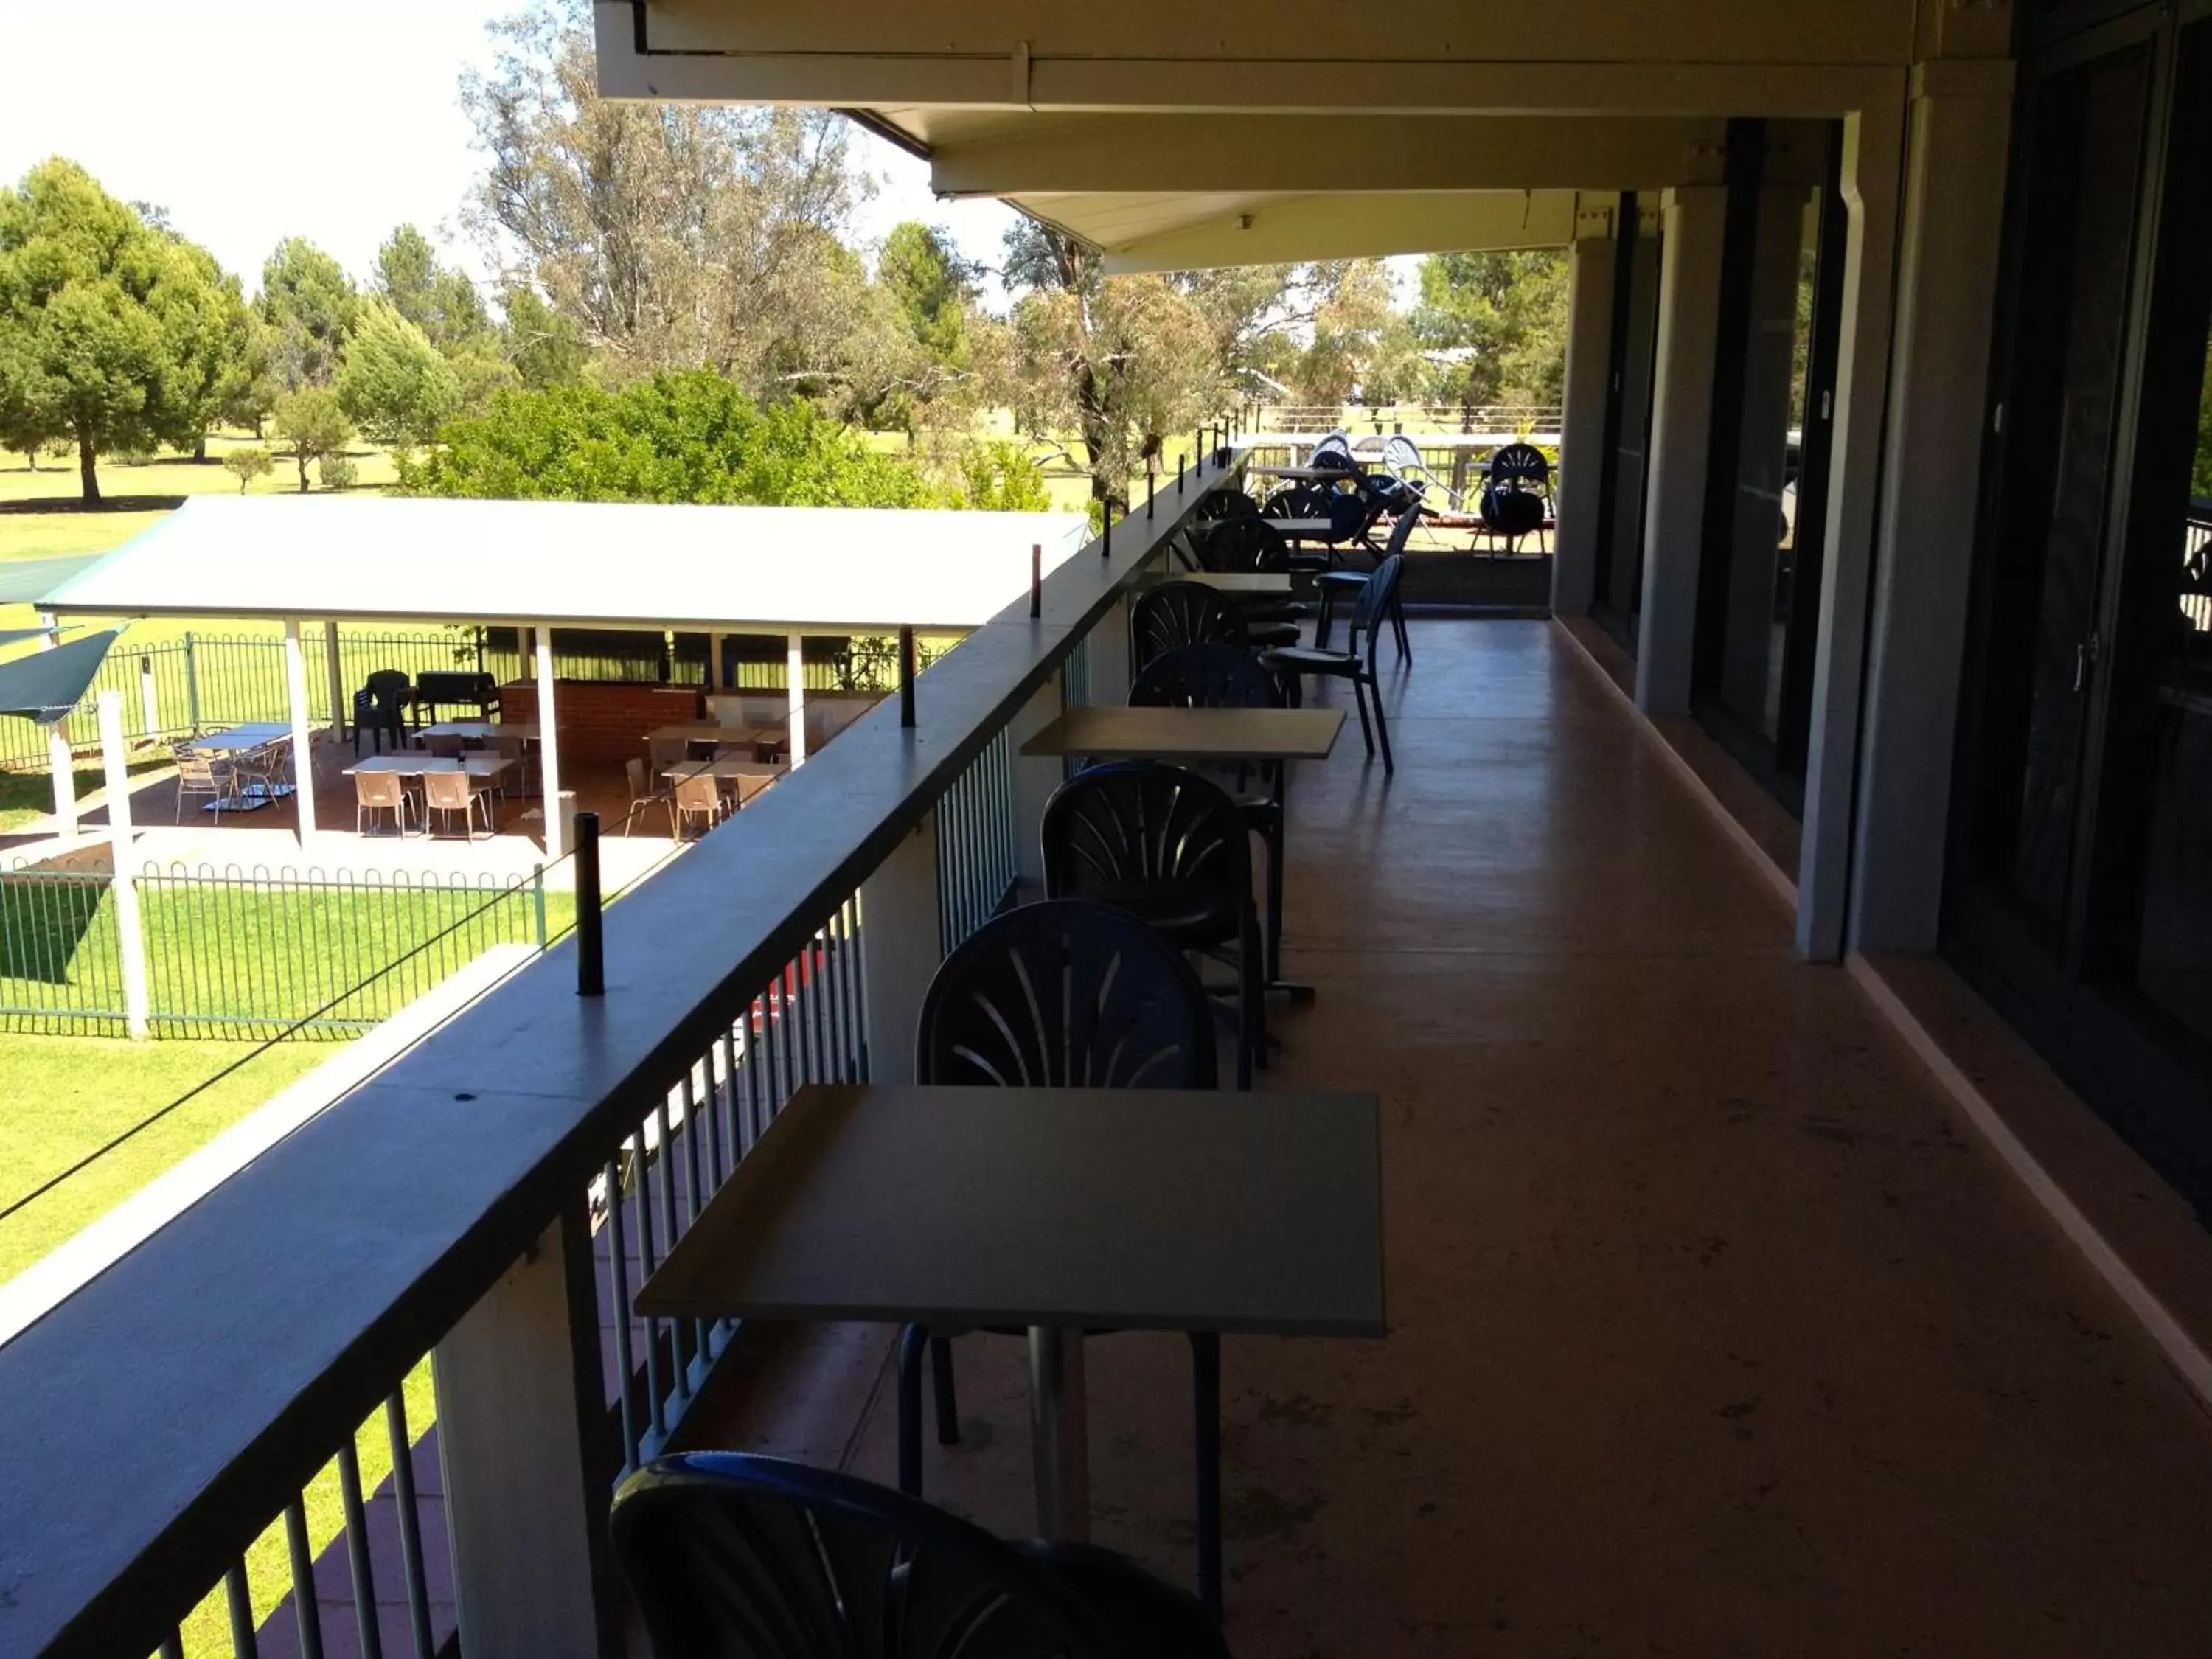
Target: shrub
pixel 248 464
pixel 337 472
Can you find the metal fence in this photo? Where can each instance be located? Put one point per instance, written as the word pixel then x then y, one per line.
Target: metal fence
pixel 244 954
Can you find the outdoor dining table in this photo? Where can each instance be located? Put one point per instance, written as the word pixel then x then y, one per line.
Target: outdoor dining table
pixel 1107 732
pixel 255 734
pixel 1242 584
pixel 415 765
pixel 526 730
pixel 1059 1210
pixel 704 731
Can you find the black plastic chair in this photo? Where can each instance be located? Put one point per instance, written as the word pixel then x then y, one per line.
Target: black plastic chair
pixel 1517 498
pixel 1335 584
pixel 732 1556
pixel 1376 598
pixel 1223 677
pixel 1071 994
pixel 1174 613
pixel 389 693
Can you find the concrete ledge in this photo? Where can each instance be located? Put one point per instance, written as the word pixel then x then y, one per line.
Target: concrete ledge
pixel 67 1269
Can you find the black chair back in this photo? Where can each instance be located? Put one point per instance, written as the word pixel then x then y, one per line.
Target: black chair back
pixel 1206 676
pixel 1157 841
pixel 1065 994
pixel 1247 544
pixel 1374 606
pixel 1522 466
pixel 1226 504
pixel 1180 613
pixel 738 1557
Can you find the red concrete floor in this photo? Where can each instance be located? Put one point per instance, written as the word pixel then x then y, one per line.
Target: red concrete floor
pixel 1714 1330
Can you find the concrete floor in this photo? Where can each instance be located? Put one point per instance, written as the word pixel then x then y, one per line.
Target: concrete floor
pixel 1714 1329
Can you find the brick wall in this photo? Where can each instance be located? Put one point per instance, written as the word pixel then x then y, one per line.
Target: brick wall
pixel 601 721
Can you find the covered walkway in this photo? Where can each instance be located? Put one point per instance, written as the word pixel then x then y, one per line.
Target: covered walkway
pixel 1716 1329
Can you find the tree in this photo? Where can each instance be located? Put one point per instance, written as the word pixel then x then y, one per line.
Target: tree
pixel 393 381
pixel 439 299
pixel 687 437
pixel 248 464
pixel 1499 323
pixel 253 377
pixel 315 423
pixel 545 348
pixel 672 237
pixel 308 298
pixel 110 333
pixel 934 290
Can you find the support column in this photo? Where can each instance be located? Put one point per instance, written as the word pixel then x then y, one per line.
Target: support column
pixel 1035 778
pixel 715 662
pixel 1581 433
pixel 1955 179
pixel 527 1458
pixel 795 692
pixel 1693 222
pixel 549 749
pixel 303 759
pixel 334 672
pixel 123 886
pixel 59 756
pixel 902 939
pixel 1873 160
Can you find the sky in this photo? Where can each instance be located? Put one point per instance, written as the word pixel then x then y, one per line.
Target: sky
pixel 256 120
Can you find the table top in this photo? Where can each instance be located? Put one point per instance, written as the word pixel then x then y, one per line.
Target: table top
pixel 725 766
pixel 415 766
pixel 1299 529
pixel 252 736
pixel 1187 734
pixel 1307 473
pixel 1270 583
pixel 1135 1209
pixel 482 729
pixel 691 731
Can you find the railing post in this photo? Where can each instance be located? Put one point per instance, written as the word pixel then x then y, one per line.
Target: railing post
pixel 901 942
pixel 591 948
pixel 529 1458
pixel 1037 581
pixel 123 886
pixel 191 684
pixel 905 673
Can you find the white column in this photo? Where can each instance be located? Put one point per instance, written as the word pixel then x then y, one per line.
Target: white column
pixel 303 759
pixel 549 750
pixel 1954 181
pixel 123 887
pixel 523 1455
pixel 1582 434
pixel 1693 221
pixel 334 672
pixel 149 699
pixel 902 924
pixel 794 692
pixel 59 756
pixel 1873 155
pixel 714 661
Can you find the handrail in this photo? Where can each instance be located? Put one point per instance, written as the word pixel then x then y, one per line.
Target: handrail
pixel 158 1420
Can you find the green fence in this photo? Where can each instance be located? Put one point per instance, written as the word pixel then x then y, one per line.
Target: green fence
pixel 243 954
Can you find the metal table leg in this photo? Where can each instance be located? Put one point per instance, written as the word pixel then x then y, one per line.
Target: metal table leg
pixel 1058 1433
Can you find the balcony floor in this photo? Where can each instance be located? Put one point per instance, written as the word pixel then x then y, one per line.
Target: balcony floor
pixel 1714 1329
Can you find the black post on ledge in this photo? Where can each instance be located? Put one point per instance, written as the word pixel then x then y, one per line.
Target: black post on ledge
pixel 591 950
pixel 1037 581
pixel 1151 489
pixel 1106 518
pixel 1181 465
pixel 906 678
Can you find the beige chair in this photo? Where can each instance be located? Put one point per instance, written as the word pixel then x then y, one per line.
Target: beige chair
pixel 699 796
pixel 447 793
pixel 205 777
pixel 642 791
pixel 661 753
pixel 381 792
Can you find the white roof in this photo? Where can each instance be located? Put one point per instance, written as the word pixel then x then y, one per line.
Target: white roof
pixel 573 563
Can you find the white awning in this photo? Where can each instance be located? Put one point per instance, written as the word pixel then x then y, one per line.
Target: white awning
pixel 770 569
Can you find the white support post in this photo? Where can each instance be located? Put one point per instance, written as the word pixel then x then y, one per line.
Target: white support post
pixel 795 692
pixel 59 755
pixel 1873 158
pixel 1582 434
pixel 150 699
pixel 1954 181
pixel 549 749
pixel 526 1458
pixel 334 674
pixel 1681 430
pixel 1035 778
pixel 903 924
pixel 715 662
pixel 123 886
pixel 303 758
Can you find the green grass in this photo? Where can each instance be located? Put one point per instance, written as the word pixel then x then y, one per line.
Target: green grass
pixel 26 797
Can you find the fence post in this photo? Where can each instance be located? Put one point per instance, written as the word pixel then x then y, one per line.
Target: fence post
pixel 537 899
pixel 192 685
pixel 130 926
pixel 149 703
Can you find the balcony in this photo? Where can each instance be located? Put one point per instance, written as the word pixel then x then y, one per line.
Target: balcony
pixel 1713 1328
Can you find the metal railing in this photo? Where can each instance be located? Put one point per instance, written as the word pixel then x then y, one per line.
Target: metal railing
pixel 1412 419
pixel 497 1194
pixel 2195 596
pixel 239 953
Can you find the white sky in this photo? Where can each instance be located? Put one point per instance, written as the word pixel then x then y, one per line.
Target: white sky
pixel 259 119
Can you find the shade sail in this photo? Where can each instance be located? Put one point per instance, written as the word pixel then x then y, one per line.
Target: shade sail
pixel 23 581
pixel 46 684
pixel 579 564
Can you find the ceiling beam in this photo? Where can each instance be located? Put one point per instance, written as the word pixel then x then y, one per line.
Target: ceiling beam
pixel 1295 229
pixel 1305 153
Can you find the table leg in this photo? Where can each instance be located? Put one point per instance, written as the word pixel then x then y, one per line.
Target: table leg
pixel 1058 1433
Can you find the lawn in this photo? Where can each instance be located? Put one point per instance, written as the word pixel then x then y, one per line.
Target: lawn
pixel 28 796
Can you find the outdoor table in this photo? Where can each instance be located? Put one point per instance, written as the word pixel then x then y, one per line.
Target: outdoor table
pixel 415 765
pixel 702 732
pixel 526 730
pixel 1302 530
pixel 1190 734
pixel 1304 474
pixel 1055 1209
pixel 1242 584
pixel 254 735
